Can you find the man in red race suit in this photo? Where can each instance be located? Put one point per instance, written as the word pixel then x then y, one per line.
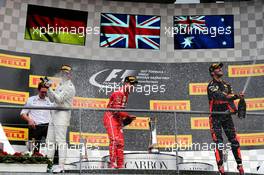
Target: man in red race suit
pixel 114 121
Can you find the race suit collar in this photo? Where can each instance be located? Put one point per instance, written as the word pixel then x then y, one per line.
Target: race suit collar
pixel 219 81
pixel 123 89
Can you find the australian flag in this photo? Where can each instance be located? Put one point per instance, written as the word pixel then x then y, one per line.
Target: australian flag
pixel 130 31
pixel 204 32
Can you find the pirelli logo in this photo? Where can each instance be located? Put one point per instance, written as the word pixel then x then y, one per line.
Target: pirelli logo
pixel 34 80
pixel 168 141
pixel 198 88
pixel 177 105
pixel 141 123
pixel 200 123
pixel 254 104
pixel 19 62
pixel 246 70
pixel 81 102
pixel 14 97
pixel 91 138
pixel 253 139
pixel 16 134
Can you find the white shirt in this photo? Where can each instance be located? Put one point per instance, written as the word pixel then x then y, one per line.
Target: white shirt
pixel 38 116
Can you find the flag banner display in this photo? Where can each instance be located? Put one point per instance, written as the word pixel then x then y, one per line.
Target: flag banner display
pixel 130 31
pixel 204 1
pixel 56 25
pixel 203 32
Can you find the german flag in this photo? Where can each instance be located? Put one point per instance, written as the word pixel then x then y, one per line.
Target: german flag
pixel 56 25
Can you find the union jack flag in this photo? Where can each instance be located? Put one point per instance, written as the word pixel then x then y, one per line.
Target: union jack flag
pixel 190 22
pixel 130 31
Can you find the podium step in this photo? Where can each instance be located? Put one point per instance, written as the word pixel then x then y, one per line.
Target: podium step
pixel 156 172
pixel 129 172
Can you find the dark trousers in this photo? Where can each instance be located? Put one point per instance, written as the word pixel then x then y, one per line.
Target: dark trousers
pixel 37 134
pixel 217 122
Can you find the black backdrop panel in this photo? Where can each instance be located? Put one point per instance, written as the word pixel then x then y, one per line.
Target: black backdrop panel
pixel 171 79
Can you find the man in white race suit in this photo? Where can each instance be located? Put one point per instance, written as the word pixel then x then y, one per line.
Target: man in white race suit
pixel 60 120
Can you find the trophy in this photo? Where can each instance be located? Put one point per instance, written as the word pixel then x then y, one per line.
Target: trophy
pixel 85 156
pixel 153 135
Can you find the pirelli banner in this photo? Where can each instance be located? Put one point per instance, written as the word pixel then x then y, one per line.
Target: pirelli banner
pixel 102 140
pixel 14 97
pixel 246 70
pixel 34 80
pixel 13 61
pixel 162 86
pixel 16 134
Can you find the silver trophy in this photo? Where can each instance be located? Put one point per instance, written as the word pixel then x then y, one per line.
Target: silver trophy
pixel 153 135
pixel 31 145
pixel 225 158
pixel 85 156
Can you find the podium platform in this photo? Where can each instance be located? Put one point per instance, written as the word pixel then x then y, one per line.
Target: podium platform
pixel 129 172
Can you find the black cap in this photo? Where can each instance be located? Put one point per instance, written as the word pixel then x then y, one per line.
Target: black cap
pixel 131 80
pixel 215 66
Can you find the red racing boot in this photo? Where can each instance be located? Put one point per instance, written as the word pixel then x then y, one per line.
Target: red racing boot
pixel 221 170
pixel 240 169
